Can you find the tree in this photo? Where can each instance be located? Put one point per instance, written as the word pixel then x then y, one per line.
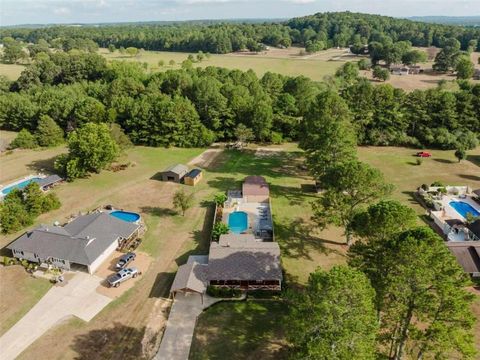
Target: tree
pixel 420 293
pixel 364 64
pixel 132 51
pixel 414 57
pixel 328 137
pixel 182 201
pixel 91 149
pixel 244 134
pixel 348 73
pixel 464 68
pixel 220 199
pixel 13 52
pixel 48 133
pixel 161 63
pixel 219 229
pixel 350 185
pixel 334 318
pixel 171 62
pixel 447 58
pixel 380 73
pixel 383 220
pixel 460 154
pixel 111 48
pixel 24 140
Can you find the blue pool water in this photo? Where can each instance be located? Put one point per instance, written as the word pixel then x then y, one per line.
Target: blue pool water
pixel 464 208
pixel 20 185
pixel 238 221
pixel 125 215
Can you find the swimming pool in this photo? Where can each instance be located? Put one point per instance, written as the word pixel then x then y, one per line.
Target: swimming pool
pixel 238 221
pixel 464 208
pixel 20 185
pixel 125 215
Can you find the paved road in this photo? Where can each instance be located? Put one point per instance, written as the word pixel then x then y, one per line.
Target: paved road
pixel 78 298
pixel 178 334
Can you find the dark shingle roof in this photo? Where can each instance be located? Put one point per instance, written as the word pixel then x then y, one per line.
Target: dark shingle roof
pixel 193 173
pixel 239 258
pixel 467 254
pixel 81 241
pixel 49 180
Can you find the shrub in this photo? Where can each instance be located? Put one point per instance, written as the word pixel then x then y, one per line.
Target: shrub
pixel 437 184
pixel 419 161
pixel 220 199
pixel 276 138
pixel 264 294
pixel 364 64
pixel 219 228
pixel 425 187
pixel 24 140
pixel 381 73
pixel 221 292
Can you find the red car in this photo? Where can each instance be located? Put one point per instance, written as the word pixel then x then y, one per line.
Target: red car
pixel 423 154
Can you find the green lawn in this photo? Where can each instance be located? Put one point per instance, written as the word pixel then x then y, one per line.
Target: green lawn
pixel 11 71
pixel 240 330
pixel 313 68
pixel 18 293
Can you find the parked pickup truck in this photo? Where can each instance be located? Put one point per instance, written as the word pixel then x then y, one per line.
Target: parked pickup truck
pixel 121 276
pixel 125 260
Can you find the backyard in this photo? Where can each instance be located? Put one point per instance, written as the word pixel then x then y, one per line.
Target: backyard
pixel 171 237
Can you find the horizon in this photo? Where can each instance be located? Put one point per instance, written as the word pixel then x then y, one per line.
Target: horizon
pixel 91 12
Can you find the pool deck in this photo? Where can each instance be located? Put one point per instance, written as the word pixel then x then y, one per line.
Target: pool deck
pixel 450 213
pixel 19 181
pixel 253 210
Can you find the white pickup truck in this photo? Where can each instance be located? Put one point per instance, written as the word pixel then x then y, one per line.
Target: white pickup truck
pixel 121 276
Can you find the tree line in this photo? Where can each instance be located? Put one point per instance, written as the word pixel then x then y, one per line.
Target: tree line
pixel 194 107
pixel 402 293
pixel 315 32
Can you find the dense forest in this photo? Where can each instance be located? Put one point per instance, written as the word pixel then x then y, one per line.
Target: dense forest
pixel 194 107
pixel 322 30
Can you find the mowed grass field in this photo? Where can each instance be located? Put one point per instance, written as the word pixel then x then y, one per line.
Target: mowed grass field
pixel 171 237
pixel 283 63
pixel 11 71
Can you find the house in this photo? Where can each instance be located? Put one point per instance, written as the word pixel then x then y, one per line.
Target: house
pixel 82 244
pixel 48 182
pixel 400 70
pixel 236 261
pixel 255 189
pixel 467 254
pixel 174 173
pixel 193 177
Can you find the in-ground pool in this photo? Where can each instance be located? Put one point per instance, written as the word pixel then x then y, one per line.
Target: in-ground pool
pixel 125 215
pixel 238 221
pixel 19 185
pixel 464 208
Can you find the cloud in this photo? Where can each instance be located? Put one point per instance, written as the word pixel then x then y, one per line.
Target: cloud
pixel 62 11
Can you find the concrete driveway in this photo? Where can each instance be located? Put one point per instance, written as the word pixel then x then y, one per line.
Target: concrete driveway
pixel 78 298
pixel 181 322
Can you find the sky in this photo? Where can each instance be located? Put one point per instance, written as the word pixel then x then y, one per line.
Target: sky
pixel 14 12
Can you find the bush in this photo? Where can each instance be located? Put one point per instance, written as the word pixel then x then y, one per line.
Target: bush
pixel 419 161
pixel 219 228
pixel 221 292
pixel 220 199
pixel 381 73
pixel 425 187
pixel 24 140
pixel 437 184
pixel 264 294
pixel 364 64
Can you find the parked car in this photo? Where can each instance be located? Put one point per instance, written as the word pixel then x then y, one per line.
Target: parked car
pixel 423 154
pixel 125 260
pixel 121 276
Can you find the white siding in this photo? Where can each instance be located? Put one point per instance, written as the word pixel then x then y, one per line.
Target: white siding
pixel 94 266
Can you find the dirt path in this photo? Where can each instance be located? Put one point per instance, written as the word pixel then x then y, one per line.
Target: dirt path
pixel 206 158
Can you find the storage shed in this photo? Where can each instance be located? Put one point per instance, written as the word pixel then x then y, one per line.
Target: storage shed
pixel 255 189
pixel 174 173
pixel 193 177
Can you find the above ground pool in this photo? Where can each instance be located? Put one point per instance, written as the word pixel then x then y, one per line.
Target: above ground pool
pixel 19 185
pixel 464 208
pixel 238 221
pixel 125 215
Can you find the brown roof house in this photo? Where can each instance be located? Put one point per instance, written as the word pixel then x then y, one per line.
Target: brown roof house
pixel 255 189
pixel 237 261
pixel 467 254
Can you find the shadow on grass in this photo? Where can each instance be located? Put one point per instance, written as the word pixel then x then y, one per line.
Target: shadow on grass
pixel 470 177
pixel 118 342
pixel 474 159
pixel 157 211
pixel 243 330
pixel 162 284
pixel 297 239
pixel 43 165
pixel 445 161
pixel 411 197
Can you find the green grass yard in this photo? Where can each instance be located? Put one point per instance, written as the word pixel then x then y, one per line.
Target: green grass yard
pixel 243 330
